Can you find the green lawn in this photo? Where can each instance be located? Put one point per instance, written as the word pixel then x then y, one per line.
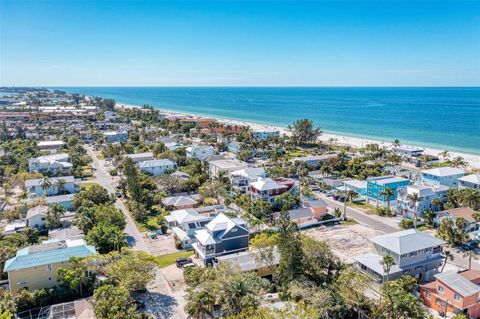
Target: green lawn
pixel 367 208
pixel 348 222
pixel 167 260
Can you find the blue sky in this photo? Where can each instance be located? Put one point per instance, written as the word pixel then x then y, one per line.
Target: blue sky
pixel 228 43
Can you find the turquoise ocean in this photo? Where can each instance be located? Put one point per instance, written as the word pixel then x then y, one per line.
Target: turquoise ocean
pixel 442 118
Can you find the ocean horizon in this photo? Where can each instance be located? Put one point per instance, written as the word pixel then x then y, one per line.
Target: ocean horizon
pixel 435 117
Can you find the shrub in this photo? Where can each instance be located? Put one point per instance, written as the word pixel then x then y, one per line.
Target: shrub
pixel 406 223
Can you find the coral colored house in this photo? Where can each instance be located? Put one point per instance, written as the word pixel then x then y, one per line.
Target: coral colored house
pixel 453 292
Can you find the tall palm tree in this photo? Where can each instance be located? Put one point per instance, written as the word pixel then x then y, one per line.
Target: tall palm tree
pixel 414 198
pixel 54 214
pixel 118 241
pixel 387 262
pixel 60 186
pixel 470 255
pixel 45 184
pixel 448 256
pixel 444 155
pixel 387 194
pixel 199 304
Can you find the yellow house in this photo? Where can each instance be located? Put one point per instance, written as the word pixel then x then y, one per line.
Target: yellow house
pixel 35 267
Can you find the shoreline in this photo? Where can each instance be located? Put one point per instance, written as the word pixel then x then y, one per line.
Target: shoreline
pixel 472 159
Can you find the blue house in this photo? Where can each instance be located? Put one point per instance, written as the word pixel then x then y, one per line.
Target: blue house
pixel 377 185
pixel 446 176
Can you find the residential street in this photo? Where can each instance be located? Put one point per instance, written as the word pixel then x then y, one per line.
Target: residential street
pixel 102 177
pixel 161 296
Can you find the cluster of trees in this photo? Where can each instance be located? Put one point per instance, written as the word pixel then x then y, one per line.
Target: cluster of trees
pixel 463 198
pixel 454 233
pixel 99 219
pixel 125 272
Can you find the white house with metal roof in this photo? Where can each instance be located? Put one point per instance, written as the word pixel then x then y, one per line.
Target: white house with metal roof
pixel 49 163
pixel 184 223
pixel 38 187
pixel 158 167
pixel 415 253
pixel 140 157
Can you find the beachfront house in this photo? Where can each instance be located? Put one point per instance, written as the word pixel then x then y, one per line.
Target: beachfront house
pixel 200 152
pixel 453 293
pixel 427 196
pixel 158 167
pixel 184 223
pixel 50 163
pixel 268 189
pixel 115 136
pixel 415 253
pixel 265 134
pixel 222 236
pixel 376 187
pixel 36 267
pixel 446 176
pixel 469 181
pixel 408 151
pixel 140 157
pixel 54 186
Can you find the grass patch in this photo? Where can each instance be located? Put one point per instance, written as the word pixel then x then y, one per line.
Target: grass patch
pixel 169 259
pixel 366 208
pixel 293 154
pixel 423 228
pixel 348 222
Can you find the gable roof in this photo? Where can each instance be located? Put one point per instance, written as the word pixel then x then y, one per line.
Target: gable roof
pixel 188 215
pixel 156 163
pixel 458 283
pixel 178 201
pixel 37 210
pixel 265 184
pixel 406 241
pixel 223 223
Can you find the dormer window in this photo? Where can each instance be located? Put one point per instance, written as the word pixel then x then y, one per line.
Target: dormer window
pixel 234 230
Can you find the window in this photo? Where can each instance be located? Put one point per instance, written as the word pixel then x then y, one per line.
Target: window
pixel 413 253
pixel 456 297
pixel 441 289
pixel 403 256
pixel 234 230
pixel 428 296
pixel 406 270
pixel 21 283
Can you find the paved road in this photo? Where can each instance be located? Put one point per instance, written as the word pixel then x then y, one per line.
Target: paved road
pixel 160 295
pixel 102 177
pixel 359 216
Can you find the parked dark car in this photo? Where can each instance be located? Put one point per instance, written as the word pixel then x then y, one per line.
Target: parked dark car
pixel 139 304
pixel 183 261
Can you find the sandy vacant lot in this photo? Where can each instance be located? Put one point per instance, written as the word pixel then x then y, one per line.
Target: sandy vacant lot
pixel 346 241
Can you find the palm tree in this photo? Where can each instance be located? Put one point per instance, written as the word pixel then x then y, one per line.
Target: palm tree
pixel 45 184
pixel 437 203
pixel 387 262
pixel 199 304
pixel 54 214
pixel 60 185
pixel 350 195
pixel 118 241
pixel 470 255
pixel 387 194
pixel 448 256
pixel 414 198
pixel 459 162
pixel 444 155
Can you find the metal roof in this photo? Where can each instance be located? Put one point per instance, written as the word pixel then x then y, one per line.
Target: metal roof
pixel 406 241
pixel 458 283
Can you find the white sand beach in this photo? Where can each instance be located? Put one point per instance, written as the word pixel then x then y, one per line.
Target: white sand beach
pixel 472 159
